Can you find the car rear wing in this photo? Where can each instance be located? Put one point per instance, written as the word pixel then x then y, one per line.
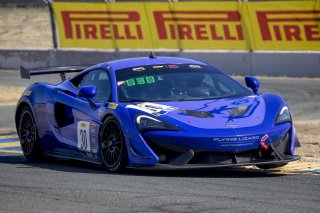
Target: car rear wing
pixel 62 70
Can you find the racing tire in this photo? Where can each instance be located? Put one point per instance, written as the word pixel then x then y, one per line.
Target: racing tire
pixel 28 135
pixel 271 166
pixel 113 146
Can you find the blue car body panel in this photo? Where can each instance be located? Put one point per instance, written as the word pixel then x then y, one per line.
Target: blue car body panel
pixel 221 133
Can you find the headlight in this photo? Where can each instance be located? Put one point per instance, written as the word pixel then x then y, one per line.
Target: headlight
pixel 145 122
pixel 283 116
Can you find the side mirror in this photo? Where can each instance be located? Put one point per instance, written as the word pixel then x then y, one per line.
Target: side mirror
pixel 88 91
pixel 252 83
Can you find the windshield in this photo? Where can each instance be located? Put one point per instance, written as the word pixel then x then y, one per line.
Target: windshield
pixel 174 82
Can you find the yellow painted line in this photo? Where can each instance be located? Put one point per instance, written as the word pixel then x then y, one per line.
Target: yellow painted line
pixel 8 136
pixel 11 151
pixel 12 144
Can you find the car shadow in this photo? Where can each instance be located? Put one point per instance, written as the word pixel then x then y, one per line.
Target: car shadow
pixel 50 163
pixel 74 166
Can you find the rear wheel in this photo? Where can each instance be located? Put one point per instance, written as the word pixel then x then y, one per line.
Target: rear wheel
pixel 112 146
pixel 271 166
pixel 28 134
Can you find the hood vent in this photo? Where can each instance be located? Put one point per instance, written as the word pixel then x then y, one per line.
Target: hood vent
pixel 198 114
pixel 238 111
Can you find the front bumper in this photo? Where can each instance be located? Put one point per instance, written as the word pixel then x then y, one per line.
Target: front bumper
pixel 171 156
pixel 203 166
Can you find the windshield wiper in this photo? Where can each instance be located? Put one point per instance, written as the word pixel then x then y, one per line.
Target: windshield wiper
pixel 190 99
pixel 133 100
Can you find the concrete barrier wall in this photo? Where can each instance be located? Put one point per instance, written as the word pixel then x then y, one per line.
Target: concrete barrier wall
pixel 293 64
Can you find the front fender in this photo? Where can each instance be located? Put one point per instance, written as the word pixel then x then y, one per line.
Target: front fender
pixel 139 152
pixel 274 103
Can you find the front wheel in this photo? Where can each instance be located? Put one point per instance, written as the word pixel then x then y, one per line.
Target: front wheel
pixel 113 146
pixel 271 166
pixel 28 134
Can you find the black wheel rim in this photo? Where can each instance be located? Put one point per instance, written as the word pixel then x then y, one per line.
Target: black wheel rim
pixel 111 144
pixel 27 133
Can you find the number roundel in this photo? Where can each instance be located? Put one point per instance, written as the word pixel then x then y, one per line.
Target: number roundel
pixel 83 136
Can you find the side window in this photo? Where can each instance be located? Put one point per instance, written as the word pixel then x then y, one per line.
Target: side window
pixel 77 80
pixel 100 79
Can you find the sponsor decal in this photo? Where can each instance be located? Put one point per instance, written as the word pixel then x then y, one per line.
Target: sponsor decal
pixel 119 83
pixel 190 25
pixel 83 135
pixel 235 144
pixel 97 24
pixel 27 93
pixel 289 25
pixel 140 81
pixel 230 125
pixel 102 111
pixel 93 127
pixel 262 142
pixel 236 141
pixel 152 108
pixel 198 25
pixel 112 106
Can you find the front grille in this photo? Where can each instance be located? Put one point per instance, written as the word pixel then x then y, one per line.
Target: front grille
pixel 278 150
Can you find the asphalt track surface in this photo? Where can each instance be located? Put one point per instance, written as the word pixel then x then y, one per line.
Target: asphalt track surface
pixel 68 186
pixel 72 186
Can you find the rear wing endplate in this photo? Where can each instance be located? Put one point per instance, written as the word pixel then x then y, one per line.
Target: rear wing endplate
pixel 62 70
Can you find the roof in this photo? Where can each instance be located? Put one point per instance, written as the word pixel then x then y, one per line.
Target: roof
pixel 143 61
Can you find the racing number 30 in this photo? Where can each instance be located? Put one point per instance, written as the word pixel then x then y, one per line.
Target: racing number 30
pixel 83 136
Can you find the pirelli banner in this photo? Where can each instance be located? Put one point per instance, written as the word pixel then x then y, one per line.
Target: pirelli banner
pixel 281 25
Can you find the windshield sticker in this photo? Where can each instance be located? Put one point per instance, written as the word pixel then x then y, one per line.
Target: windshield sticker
pixel 152 108
pixel 158 66
pixel 112 106
pixel 195 66
pixel 172 66
pixel 138 69
pixel 140 81
pixel 119 83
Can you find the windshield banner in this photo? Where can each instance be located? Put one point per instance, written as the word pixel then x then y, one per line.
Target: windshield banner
pixel 277 25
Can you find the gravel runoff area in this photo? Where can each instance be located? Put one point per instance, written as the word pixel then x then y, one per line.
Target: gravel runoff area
pixel 21 28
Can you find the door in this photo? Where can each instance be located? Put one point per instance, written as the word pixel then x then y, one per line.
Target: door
pixel 78 122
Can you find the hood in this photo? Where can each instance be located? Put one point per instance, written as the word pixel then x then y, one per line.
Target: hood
pixel 208 114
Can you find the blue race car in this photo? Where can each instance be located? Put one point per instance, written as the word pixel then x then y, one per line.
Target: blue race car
pixel 163 112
